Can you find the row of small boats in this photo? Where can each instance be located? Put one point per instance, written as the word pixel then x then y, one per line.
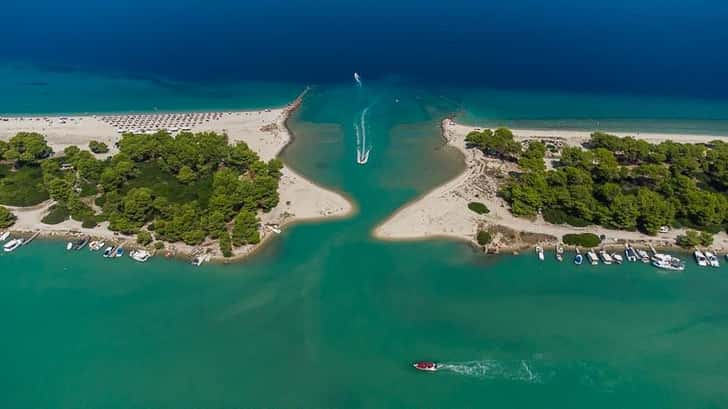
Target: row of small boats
pixel 632 254
pixel 139 255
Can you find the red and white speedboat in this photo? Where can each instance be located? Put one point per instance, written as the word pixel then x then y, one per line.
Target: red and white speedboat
pixel 425 366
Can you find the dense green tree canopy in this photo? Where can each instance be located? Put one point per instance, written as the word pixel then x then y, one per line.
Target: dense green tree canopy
pixel 625 183
pixel 27 147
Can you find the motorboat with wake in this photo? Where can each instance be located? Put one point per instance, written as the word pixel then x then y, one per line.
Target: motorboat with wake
pixel 425 366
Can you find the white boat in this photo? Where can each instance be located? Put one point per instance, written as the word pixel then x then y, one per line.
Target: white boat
pixel 606 258
pixel 199 259
pixel 700 258
pixel 4 236
pixel 109 252
pixel 69 246
pixel 96 245
pixel 593 258
pixel 712 259
pixel 140 255
pixel 578 258
pixel 643 255
pixel 559 252
pixel 667 262
pixel 630 253
pixel 539 252
pixel 12 245
pixel 617 258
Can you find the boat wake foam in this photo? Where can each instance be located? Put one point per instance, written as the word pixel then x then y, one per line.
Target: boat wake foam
pixel 362 146
pixel 493 369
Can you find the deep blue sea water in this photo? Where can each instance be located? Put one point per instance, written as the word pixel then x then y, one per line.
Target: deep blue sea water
pixel 654 47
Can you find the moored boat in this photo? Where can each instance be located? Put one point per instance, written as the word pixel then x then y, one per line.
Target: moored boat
pixel 69 246
pixel 593 258
pixel 559 252
pixel 119 252
pixel 425 366
pixel 630 253
pixel 81 243
pixel 667 262
pixel 712 259
pixel 617 258
pixel 140 255
pixel 199 259
pixel 109 251
pixel 643 255
pixel 578 259
pixel 4 236
pixel 12 245
pixel 539 252
pixel 606 258
pixel 700 258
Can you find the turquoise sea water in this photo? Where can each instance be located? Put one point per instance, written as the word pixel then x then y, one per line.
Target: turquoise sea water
pixel 326 316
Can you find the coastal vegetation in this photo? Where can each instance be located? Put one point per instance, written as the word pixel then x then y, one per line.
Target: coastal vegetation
pixel 692 238
pixel 484 237
pixel 582 239
pixel 98 147
pixel 7 218
pixel 478 207
pixel 186 188
pixel 616 182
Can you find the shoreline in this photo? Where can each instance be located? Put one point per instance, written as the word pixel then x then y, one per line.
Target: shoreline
pixel 265 131
pixel 442 211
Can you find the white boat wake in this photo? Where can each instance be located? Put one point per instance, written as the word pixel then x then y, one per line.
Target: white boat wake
pixel 357 78
pixel 362 146
pixel 493 369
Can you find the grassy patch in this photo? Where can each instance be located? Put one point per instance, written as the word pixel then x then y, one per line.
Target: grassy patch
pixel 583 239
pixel 484 237
pixel 23 187
pixel 164 184
pixel 478 207
pixel 57 214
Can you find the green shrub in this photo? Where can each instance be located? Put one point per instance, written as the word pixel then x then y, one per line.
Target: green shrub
pixel 56 214
pixel 144 237
pixel 225 244
pixel 158 245
pixel 7 218
pixel 484 237
pixel 583 239
pixel 89 222
pixel 555 216
pixel 23 187
pixel 98 147
pixel 478 207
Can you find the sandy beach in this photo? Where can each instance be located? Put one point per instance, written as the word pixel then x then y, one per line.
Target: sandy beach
pixel 264 131
pixel 443 212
